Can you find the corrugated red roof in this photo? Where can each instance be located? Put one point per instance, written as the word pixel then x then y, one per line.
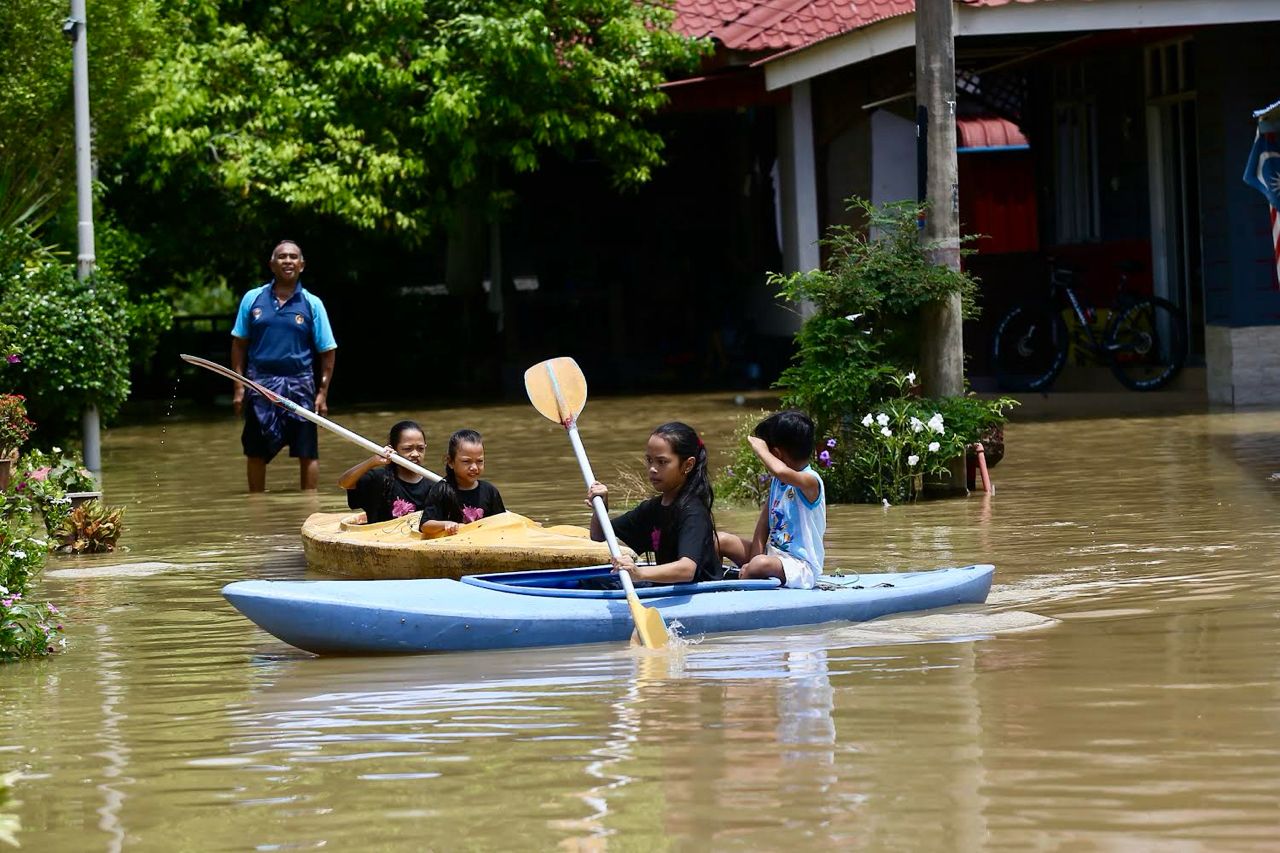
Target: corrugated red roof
pixel 770 25
pixel 988 132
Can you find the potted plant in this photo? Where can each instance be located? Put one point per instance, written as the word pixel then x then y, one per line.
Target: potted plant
pixel 56 481
pixel 15 428
pixel 90 528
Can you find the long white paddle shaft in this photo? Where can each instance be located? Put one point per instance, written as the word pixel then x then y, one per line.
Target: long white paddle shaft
pixel 597 503
pixel 302 412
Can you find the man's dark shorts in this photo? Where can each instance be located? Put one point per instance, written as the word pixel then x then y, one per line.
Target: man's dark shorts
pixel 299 436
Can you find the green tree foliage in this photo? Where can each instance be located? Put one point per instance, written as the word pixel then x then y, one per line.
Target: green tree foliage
pixel 386 114
pixel 36 117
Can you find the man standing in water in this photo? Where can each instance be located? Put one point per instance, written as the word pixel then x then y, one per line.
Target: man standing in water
pixel 278 328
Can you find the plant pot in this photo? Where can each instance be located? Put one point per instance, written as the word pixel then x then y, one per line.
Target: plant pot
pixel 78 498
pixel 7 465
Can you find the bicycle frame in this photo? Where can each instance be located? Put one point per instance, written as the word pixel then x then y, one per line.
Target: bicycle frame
pixel 1083 335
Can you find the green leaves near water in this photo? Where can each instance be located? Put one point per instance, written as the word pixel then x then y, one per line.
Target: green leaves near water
pixel 856 355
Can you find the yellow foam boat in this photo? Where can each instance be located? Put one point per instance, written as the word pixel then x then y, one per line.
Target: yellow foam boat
pixel 340 543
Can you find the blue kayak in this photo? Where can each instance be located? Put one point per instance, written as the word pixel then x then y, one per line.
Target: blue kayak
pixel 561 607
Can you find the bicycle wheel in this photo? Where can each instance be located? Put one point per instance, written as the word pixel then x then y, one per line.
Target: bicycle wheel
pixel 1030 348
pixel 1146 344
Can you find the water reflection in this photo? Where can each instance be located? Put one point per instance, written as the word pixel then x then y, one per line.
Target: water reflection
pixel 1118 691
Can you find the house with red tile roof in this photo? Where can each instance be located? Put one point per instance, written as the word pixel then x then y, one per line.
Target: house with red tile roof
pixel 1100 133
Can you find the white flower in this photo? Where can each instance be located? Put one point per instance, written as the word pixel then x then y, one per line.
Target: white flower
pixel 933 446
pixel 18 553
pixel 886 432
pixel 935 423
pixel 57 450
pixel 882 419
pixel 911 377
pixel 912 460
pixel 916 424
pixel 4 590
pixel 852 317
pixel 867 420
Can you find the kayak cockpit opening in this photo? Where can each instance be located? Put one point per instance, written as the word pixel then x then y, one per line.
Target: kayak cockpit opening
pixel 598 582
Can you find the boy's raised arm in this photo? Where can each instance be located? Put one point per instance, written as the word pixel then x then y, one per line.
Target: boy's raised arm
pixel 805 481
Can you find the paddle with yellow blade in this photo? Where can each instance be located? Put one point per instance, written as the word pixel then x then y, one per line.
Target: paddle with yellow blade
pixel 558 390
pixel 301 412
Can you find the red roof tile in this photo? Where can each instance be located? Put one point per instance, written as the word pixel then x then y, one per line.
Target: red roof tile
pixel 770 25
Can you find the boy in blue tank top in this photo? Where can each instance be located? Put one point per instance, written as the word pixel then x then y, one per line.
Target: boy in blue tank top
pixel 787 543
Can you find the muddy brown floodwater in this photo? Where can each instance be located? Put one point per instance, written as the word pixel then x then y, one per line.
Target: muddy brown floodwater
pixel 1119 691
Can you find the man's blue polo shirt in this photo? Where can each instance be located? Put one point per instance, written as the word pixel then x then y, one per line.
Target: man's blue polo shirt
pixel 282 338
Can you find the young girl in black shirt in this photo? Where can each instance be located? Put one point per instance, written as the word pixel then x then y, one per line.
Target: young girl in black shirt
pixel 461 497
pixel 383 489
pixel 677 525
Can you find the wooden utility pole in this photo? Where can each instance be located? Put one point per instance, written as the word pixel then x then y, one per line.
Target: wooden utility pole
pixel 942 344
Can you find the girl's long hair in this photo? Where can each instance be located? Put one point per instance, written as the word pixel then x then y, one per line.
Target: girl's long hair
pixel 697 484
pixel 445 492
pixel 397 430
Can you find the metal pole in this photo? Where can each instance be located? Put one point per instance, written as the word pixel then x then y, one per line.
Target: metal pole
pixel 942 346
pixel 75 27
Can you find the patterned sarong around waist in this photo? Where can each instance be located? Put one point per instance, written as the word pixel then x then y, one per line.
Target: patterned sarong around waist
pixel 300 388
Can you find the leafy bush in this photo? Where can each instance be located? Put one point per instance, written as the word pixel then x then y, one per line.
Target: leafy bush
pixel 889 453
pixel 744 479
pixel 883 456
pixel 74 337
pixel 21 553
pixel 865 328
pixel 28 629
pixel 15 426
pixel 852 367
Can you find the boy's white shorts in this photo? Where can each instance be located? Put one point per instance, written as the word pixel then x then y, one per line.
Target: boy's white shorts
pixel 800 575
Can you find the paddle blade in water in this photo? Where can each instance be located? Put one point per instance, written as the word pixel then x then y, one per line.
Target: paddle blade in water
pixel 545 378
pixel 650 628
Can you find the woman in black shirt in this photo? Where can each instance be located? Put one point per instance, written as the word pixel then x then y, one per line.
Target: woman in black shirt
pixel 383 489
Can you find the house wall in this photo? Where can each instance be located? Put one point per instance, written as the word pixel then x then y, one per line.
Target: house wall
pixel 1237 73
pixel 844 136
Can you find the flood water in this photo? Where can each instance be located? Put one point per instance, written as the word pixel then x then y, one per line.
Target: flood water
pixel 1119 691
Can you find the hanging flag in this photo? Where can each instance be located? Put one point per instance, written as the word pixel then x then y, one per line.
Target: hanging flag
pixel 1263 171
